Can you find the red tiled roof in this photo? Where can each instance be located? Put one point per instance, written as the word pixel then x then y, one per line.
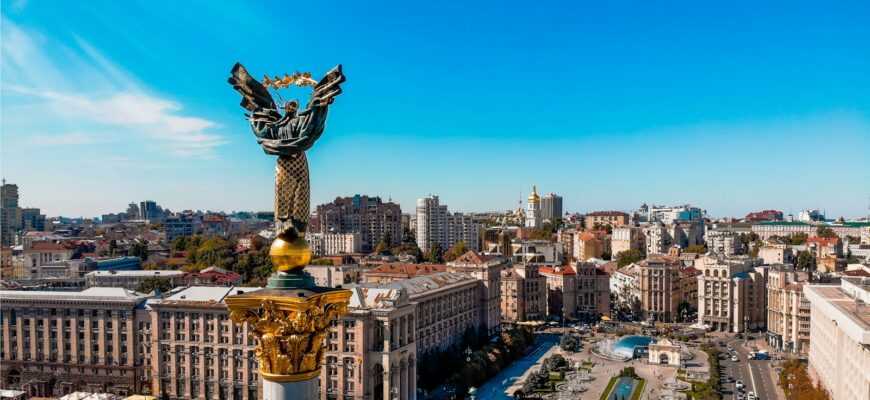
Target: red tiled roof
pixel 823 241
pixel 607 214
pixel 587 236
pixel 690 271
pixel 856 272
pixel 47 246
pixel 410 270
pixel 567 270
pixel 473 257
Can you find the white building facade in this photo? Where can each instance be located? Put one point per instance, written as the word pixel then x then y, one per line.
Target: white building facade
pixel 840 337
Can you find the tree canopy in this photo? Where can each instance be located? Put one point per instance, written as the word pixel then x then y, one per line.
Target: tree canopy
pixel 796 382
pixel 825 232
pixel 626 257
pixel 455 251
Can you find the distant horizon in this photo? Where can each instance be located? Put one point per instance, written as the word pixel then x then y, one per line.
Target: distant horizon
pixel 829 217
pixel 733 107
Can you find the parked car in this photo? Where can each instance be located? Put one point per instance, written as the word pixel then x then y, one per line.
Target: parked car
pixel 734 359
pixel 739 384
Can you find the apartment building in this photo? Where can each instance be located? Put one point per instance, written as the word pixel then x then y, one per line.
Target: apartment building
pixel 324 244
pixel 592 290
pixel 725 242
pixel 840 337
pixel 523 294
pixel 192 350
pixel 561 292
pixel 44 253
pixel 371 352
pixel 487 270
pixel 772 254
pixel 55 343
pixel 370 217
pixel 131 280
pixel 788 310
pixel 601 218
pixel 625 238
pixel 659 287
pixel 587 245
pixel 731 293
pixel 436 226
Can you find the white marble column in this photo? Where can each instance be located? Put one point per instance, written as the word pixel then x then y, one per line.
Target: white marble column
pixel 302 390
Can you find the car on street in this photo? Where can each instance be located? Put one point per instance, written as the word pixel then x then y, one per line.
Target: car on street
pixel 739 384
pixel 734 358
pixel 752 396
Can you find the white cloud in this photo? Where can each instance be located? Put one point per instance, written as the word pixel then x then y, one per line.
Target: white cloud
pixel 84 89
pixel 64 139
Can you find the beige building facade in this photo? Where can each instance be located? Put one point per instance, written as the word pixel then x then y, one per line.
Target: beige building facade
pixel 788 311
pixel 732 293
pixel 54 343
pixel 487 270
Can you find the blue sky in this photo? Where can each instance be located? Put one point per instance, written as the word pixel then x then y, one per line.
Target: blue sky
pixel 732 107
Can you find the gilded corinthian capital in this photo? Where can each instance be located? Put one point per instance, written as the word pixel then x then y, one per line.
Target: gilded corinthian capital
pixel 290 328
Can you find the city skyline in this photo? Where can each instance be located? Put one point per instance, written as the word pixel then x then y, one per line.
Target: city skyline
pixel 619 106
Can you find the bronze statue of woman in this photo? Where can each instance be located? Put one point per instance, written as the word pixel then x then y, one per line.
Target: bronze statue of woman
pixel 288 136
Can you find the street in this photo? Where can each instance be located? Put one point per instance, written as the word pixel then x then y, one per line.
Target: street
pixel 495 388
pixel 755 374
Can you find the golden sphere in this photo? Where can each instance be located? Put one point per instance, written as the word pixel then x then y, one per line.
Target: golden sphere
pixel 289 255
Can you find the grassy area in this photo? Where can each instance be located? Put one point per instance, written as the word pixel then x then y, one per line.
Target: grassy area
pixel 708 390
pixel 609 387
pixel 638 390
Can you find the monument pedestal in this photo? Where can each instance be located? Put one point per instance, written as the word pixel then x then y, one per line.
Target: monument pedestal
pixel 302 390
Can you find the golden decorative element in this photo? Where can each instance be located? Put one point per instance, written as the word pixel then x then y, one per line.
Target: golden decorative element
pixel 292 195
pixel 533 197
pixel 300 79
pixel 288 255
pixel 290 329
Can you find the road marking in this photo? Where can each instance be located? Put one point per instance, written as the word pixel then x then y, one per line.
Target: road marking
pixel 752 377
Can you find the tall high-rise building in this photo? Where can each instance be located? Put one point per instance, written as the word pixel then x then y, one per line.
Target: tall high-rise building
pixel 32 219
pixel 132 211
pixel 373 219
pixel 533 211
pixel 10 214
pixel 551 207
pixel 149 210
pixel 437 226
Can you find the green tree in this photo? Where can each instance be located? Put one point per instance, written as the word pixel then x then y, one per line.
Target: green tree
pixel 626 257
pixel 148 285
pixel 569 343
pixel 455 251
pixel 383 248
pixel 797 239
pixel 408 248
pixel 138 249
pixel 436 255
pixel 179 243
pixel 805 261
pixel 825 232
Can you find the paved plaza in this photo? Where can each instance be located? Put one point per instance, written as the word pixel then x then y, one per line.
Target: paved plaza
pixel 655 375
